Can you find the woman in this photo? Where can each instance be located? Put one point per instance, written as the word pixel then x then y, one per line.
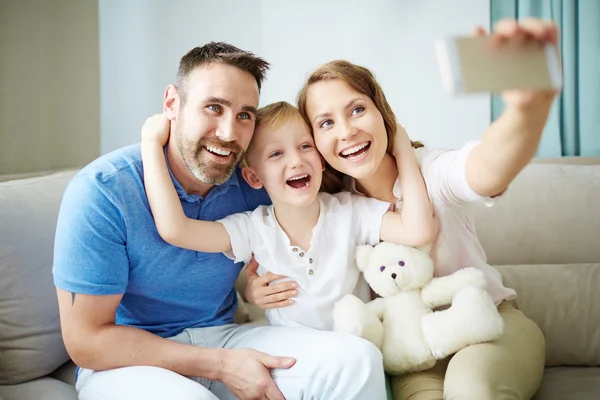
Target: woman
pixel 354 129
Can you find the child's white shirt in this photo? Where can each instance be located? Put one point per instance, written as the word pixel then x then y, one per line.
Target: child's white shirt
pixel 325 272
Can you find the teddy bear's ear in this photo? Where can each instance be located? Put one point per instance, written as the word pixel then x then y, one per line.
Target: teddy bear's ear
pixel 363 253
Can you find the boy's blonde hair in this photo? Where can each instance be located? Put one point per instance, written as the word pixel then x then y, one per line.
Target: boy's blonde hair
pixel 275 115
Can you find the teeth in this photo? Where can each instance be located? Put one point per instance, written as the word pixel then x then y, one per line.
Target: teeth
pixel 298 178
pixel 354 149
pixel 218 150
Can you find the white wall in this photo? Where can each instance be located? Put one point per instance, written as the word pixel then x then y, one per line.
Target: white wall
pixel 142 41
pixel 49 84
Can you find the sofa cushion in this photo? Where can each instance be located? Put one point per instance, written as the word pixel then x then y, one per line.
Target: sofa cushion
pixel 572 383
pixel 564 300
pixel 549 215
pixel 65 373
pixel 39 389
pixel 30 339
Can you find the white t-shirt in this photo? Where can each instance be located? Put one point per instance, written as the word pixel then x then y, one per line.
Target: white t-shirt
pixel 327 270
pixel 456 245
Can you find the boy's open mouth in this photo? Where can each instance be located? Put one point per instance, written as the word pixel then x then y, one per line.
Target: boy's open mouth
pixel 299 181
pixel 354 152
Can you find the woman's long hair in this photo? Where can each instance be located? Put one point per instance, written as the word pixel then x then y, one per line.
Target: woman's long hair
pixel 363 81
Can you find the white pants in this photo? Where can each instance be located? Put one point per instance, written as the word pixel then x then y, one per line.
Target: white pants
pixel 328 365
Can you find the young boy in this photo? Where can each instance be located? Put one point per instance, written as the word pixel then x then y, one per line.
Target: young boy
pixel 306 235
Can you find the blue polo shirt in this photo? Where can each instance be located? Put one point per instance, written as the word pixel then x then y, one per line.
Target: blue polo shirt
pixel 107 243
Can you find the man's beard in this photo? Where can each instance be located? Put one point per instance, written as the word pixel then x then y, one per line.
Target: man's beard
pixel 206 171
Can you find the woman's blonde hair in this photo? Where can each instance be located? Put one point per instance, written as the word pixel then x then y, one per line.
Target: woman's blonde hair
pixel 363 81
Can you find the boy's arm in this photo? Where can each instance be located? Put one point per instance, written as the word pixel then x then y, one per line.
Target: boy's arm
pixel 172 224
pixel 414 225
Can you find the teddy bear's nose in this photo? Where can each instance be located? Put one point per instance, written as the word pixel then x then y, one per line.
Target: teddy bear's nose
pixel 394 276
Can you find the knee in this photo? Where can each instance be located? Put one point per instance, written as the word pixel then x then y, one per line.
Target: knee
pixel 482 391
pixel 361 352
pixel 357 369
pixel 347 354
pixel 418 386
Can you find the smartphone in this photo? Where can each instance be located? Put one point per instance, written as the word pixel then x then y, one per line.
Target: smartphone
pixel 476 64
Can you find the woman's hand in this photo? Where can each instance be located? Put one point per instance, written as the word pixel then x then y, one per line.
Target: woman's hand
pixel 259 293
pixel 512 139
pixel 156 128
pixel 524 32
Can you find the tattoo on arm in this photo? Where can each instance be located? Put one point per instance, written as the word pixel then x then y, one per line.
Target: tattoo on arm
pixel 73 298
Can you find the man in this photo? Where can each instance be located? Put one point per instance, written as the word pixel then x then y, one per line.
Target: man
pixel 146 320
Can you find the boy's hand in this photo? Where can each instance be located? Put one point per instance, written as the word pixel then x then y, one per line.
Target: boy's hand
pixel 156 128
pixel 261 294
pixel 401 141
pixel 525 31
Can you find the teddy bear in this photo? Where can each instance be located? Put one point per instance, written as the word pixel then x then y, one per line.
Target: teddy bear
pixel 402 322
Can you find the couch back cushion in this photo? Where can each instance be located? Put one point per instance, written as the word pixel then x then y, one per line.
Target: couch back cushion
pixel 564 300
pixel 31 345
pixel 549 215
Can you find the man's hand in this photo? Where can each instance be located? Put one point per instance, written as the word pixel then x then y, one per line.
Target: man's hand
pixel 156 128
pixel 246 373
pixel 525 31
pixel 259 293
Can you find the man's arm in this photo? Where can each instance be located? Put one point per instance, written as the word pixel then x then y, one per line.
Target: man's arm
pixel 94 341
pixel 89 329
pixel 90 256
pixel 512 140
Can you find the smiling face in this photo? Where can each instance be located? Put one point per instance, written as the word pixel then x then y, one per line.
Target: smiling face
pixel 215 120
pixel 285 161
pixel 348 128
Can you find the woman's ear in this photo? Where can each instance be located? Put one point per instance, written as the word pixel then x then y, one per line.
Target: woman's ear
pixel 250 177
pixel 171 102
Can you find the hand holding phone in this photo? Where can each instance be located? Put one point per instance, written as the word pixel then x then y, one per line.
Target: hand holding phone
pixel 520 56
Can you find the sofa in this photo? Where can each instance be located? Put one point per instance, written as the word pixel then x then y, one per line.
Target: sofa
pixel 543 235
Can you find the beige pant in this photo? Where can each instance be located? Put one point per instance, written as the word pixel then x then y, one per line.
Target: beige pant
pixel 509 368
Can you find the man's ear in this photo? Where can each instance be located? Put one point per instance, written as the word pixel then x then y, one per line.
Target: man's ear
pixel 171 102
pixel 250 177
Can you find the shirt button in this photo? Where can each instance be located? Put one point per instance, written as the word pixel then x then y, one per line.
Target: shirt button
pixel 310 260
pixel 310 272
pixel 295 249
pixel 301 254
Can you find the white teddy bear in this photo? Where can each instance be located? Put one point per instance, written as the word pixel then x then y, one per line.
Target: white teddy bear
pixel 402 322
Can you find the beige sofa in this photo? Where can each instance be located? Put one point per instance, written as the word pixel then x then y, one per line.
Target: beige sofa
pixel 544 235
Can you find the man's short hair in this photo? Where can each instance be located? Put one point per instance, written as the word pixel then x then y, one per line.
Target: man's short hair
pixel 219 52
